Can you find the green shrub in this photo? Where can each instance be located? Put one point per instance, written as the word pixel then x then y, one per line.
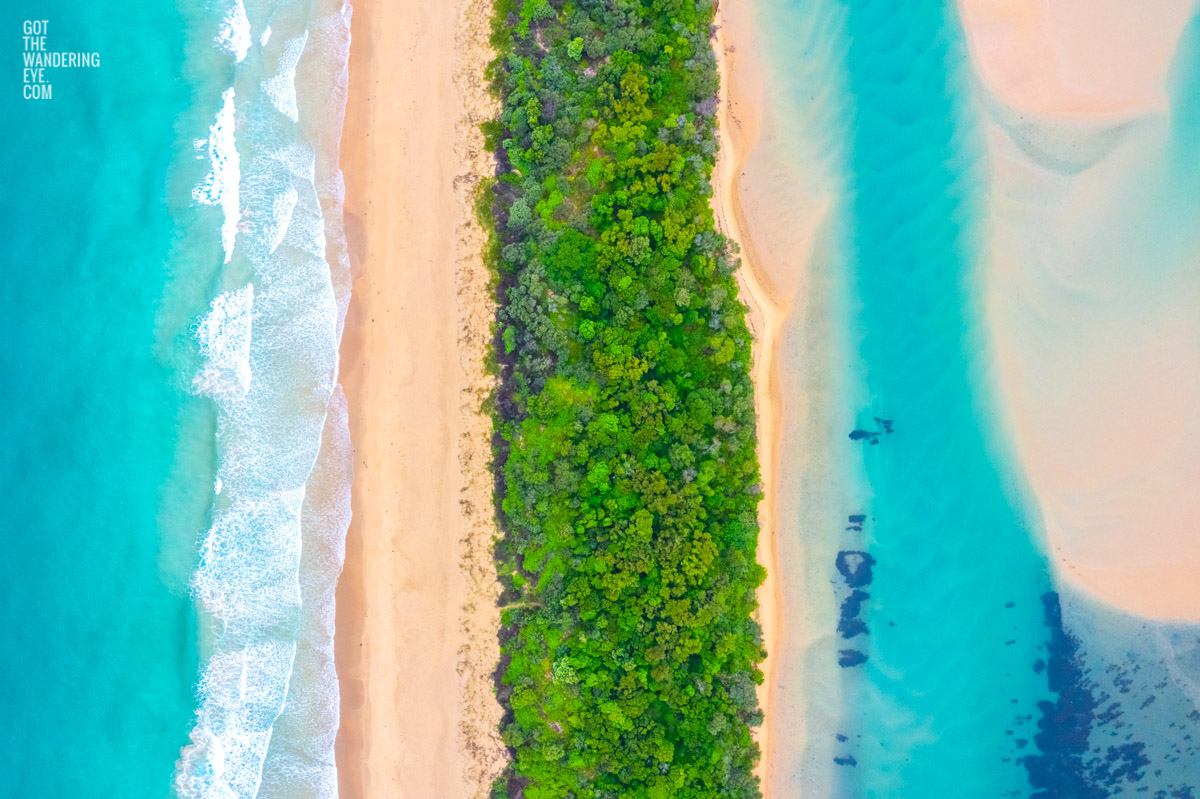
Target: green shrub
pixel 628 482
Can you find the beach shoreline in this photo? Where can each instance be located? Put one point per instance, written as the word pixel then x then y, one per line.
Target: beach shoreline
pixel 416 608
pixel 740 126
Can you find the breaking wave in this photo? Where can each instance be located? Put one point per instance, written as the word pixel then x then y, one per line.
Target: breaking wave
pixel 220 185
pixel 267 700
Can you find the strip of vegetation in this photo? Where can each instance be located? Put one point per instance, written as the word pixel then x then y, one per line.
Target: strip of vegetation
pixel 626 474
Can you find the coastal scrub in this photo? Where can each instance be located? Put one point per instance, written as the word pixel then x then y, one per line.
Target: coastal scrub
pixel 627 481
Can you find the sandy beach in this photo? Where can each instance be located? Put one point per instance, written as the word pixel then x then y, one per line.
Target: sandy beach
pixel 1091 289
pixel 740 127
pixel 776 204
pixel 416 625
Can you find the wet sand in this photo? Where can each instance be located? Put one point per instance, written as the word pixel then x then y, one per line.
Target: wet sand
pixel 767 202
pixel 740 123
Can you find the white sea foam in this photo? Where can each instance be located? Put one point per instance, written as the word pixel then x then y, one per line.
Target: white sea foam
pixel 275 216
pixel 234 37
pixel 220 186
pixel 282 87
pixel 266 37
pixel 249 562
pixel 224 337
pixel 281 215
pixel 234 721
pixel 299 762
pixel 328 70
pixel 267 703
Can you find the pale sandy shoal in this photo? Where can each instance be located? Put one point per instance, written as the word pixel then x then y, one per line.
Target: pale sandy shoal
pixel 1075 57
pixel 1091 297
pixel 416 618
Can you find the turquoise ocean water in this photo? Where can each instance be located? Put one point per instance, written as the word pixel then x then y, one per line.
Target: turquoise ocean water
pixel 174 447
pixel 957 665
pixel 98 643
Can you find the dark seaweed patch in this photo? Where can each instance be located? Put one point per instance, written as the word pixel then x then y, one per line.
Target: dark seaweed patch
pixel 869 435
pixel 1121 763
pixel 1065 723
pixel 855 567
pixel 883 428
pixel 848 658
pixel 850 625
pixel 1066 766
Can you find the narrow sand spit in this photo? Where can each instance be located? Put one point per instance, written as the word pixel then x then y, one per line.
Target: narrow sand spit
pixel 1092 288
pixel 740 125
pixel 417 618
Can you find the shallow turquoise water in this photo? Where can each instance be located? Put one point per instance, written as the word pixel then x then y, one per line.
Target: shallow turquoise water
pixel 959 667
pixel 97 636
pixel 949 668
pixel 174 435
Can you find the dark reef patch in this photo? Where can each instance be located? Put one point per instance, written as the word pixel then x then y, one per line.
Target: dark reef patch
pixel 1071 762
pixel 849 658
pixel 883 428
pixel 850 625
pixel 855 567
pixel 1121 763
pixel 1058 771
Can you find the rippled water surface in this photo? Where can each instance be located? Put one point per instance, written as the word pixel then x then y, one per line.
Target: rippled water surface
pixel 960 665
pixel 175 443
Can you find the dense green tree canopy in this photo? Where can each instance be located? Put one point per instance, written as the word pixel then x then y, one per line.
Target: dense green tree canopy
pixel 627 478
